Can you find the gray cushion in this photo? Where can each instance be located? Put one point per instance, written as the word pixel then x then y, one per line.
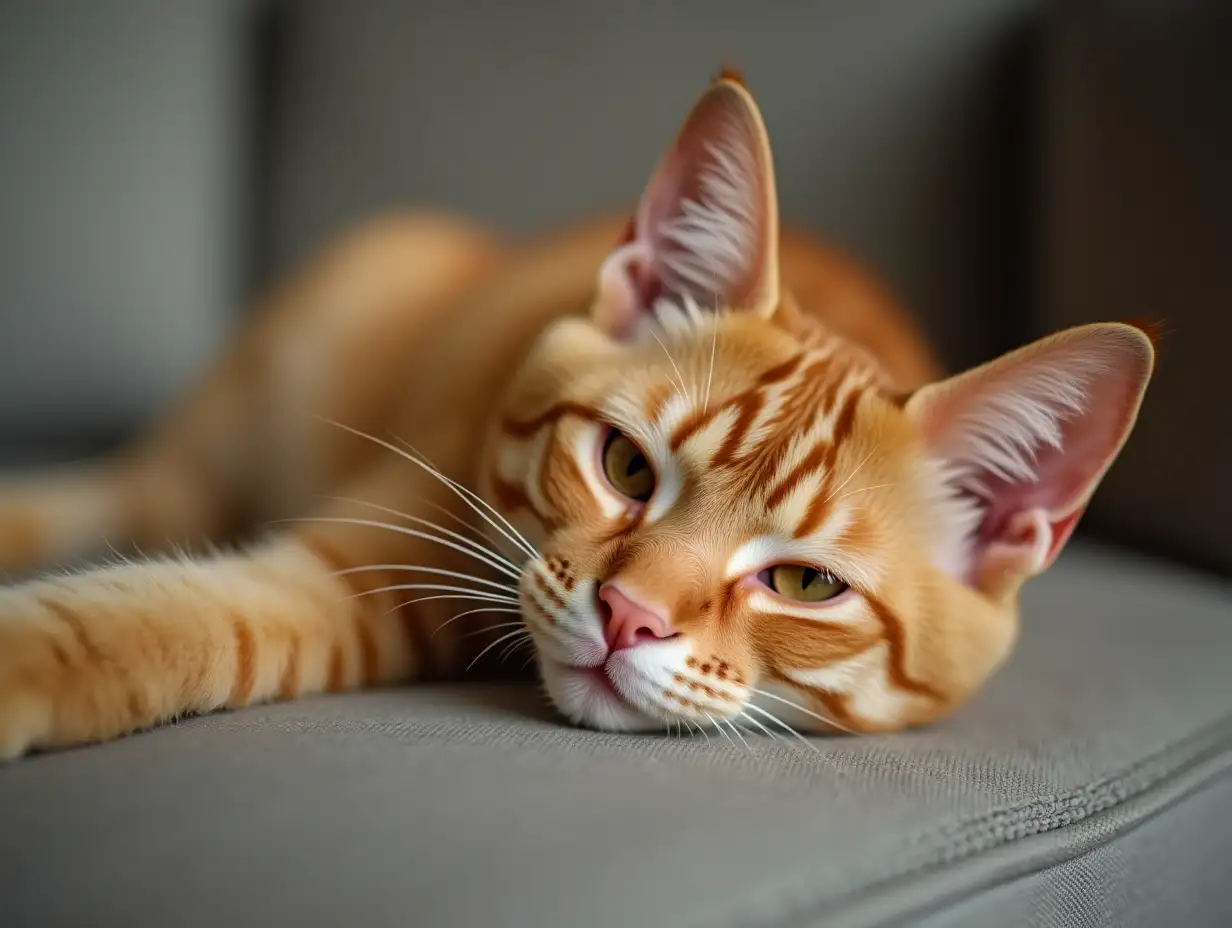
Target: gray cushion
pixel 1087 783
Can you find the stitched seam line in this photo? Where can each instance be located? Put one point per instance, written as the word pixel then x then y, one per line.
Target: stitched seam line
pixel 1007 825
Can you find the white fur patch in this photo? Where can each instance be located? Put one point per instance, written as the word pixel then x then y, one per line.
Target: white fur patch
pixel 865 679
pixel 847 611
pixel 585 452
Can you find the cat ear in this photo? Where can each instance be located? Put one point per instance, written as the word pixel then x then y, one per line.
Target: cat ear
pixel 1024 441
pixel 706 229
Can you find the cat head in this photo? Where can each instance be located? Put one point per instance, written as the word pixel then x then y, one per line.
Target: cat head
pixel 737 519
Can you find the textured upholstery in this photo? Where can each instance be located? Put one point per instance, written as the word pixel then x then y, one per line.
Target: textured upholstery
pixel 1088 786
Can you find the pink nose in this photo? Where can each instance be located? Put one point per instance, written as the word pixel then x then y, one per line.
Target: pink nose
pixel 628 622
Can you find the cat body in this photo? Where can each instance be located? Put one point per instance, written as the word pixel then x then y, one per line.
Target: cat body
pixel 701 470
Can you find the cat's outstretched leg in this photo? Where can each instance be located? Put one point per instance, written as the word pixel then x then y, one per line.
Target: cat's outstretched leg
pixel 353 597
pixel 244 446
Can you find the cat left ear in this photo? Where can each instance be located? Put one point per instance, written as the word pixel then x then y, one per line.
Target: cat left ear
pixel 706 229
pixel 1024 441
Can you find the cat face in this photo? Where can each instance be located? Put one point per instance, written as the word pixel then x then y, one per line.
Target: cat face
pixel 736 519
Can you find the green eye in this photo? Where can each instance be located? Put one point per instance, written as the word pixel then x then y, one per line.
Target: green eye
pixel 805 584
pixel 627 468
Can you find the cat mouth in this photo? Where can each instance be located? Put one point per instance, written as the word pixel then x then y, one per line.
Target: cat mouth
pixel 589 696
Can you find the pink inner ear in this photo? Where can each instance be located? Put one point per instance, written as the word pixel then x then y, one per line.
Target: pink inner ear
pixel 1027 439
pixel 704 230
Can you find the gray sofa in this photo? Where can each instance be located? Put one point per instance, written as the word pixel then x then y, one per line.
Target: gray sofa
pixel 1007 167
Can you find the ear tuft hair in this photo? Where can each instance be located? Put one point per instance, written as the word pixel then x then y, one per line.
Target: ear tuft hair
pixel 1022 442
pixel 705 233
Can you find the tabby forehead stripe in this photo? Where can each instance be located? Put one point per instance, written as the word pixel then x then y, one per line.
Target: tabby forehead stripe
pixel 747 404
pixel 810 463
pixel 815 514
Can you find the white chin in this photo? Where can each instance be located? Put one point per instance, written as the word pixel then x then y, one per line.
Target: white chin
pixel 586 699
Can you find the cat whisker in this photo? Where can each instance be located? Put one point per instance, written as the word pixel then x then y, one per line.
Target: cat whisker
pixel 495 555
pixel 437 571
pixel 427 599
pixel 506 637
pixel 800 708
pixel 461 615
pixel 778 721
pixel 414 533
pixel 530 660
pixel 879 486
pixel 736 732
pixel 478 532
pixel 472 499
pixel 774 735
pixel 511 649
pixel 705 734
pixel 714 344
pixel 850 476
pixel 441 509
pixel 719 728
pixel 489 628
pixel 485 595
pixel 683 391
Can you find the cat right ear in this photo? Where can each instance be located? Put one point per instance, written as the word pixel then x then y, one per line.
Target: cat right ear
pixel 1025 440
pixel 706 228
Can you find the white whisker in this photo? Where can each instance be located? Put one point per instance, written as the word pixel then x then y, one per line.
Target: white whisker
pixel 850 476
pixel 778 721
pixel 774 735
pixel 799 708
pixel 714 343
pixel 683 391
pixel 879 486
pixel 736 731
pixel 512 649
pixel 428 599
pixel 718 728
pixel 442 587
pixel 495 555
pixel 413 533
pixel 520 631
pixel 369 568
pixel 461 615
pixel 466 495
pixel 441 509
pixel 705 734
pixel 490 628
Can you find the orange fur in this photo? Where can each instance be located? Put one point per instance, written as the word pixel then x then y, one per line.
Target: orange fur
pixel 800 418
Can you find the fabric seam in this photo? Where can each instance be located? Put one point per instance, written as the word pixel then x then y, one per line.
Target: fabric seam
pixel 967 838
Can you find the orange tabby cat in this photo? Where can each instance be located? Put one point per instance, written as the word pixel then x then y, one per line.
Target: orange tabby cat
pixel 717 480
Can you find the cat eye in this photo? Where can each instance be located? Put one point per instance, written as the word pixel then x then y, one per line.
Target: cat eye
pixel 804 584
pixel 627 468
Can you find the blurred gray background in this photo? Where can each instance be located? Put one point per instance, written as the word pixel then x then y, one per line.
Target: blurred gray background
pixel 1008 166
